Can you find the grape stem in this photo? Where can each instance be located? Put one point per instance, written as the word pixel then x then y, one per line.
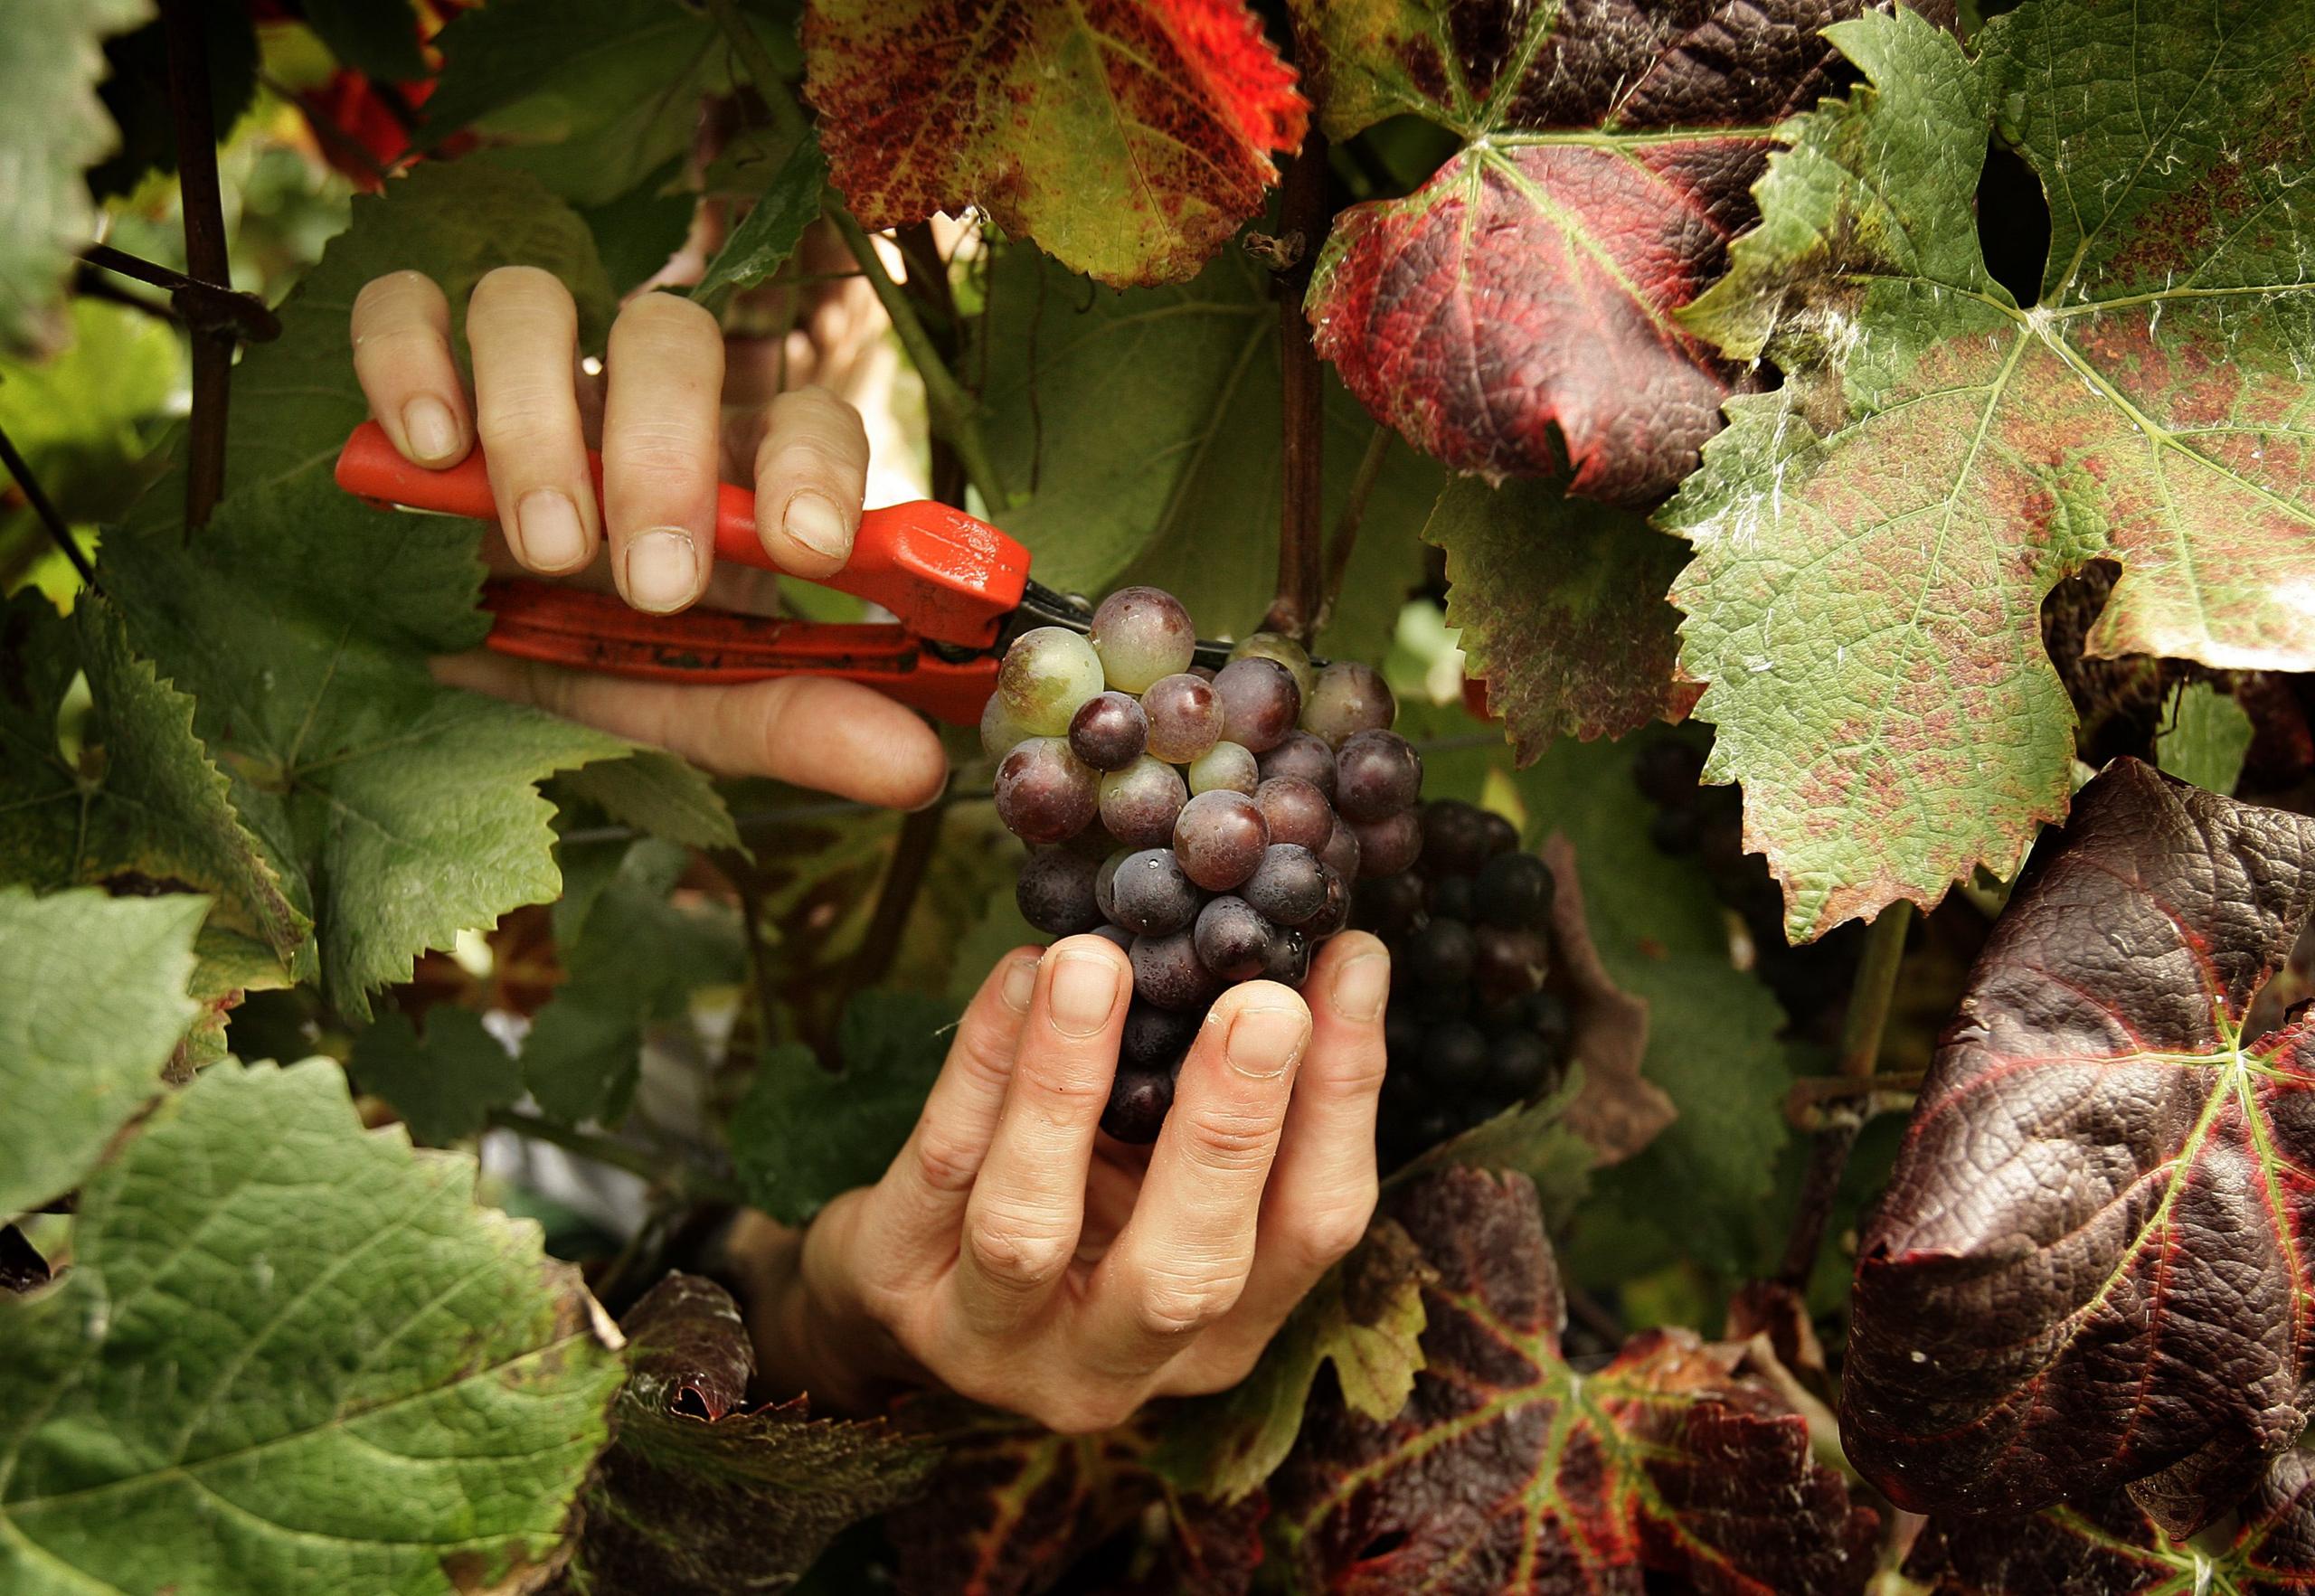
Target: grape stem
pixel 1302 542
pixel 954 413
pixel 204 252
pixel 1344 540
pixel 1871 994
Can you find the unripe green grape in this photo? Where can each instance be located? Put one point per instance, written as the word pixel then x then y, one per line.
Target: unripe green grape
pixel 1284 649
pixel 1046 674
pixel 1000 733
pixel 1226 767
pixel 1142 634
pixel 1349 698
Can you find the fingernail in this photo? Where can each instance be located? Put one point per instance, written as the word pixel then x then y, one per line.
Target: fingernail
pixel 1265 1041
pixel 548 523
pixel 661 570
pixel 1362 986
pixel 1020 980
pixel 431 428
pixel 816 523
pixel 1084 990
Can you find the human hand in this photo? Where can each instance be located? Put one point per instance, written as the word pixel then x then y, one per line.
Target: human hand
pixel 667 440
pixel 1019 1257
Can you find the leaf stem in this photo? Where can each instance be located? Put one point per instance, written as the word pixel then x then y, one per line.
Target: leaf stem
pixel 953 412
pixel 1343 541
pixel 693 1185
pixel 1301 550
pixel 1871 994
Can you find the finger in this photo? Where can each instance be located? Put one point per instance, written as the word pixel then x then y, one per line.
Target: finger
pixel 660 427
pixel 1322 1186
pixel 401 358
pixel 915 1211
pixel 837 737
pixel 524 330
pixel 811 474
pixel 1182 1261
pixel 1028 1203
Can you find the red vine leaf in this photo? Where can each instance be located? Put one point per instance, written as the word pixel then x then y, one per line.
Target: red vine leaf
pixel 1128 137
pixel 2112 1547
pixel 1515 316
pixel 1012 1506
pixel 2090 1265
pixel 1508 1472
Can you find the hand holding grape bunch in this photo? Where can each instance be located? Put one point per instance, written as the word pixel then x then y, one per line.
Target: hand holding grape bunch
pixel 1209 822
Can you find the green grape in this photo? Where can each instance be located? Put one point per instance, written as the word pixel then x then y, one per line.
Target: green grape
pixel 1046 674
pixel 1226 766
pixel 1140 634
pixel 1000 733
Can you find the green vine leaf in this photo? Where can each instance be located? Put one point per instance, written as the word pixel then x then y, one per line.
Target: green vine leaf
pixel 444 1083
pixel 1873 541
pixel 92 1007
pixel 2207 735
pixel 292 1354
pixel 56 129
pixel 788 203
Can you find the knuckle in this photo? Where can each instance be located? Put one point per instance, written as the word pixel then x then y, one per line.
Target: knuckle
pixel 789 455
pixel 1330 1232
pixel 1020 1255
pixel 1232 1140
pixel 945 1164
pixel 658 451
pixel 518 423
pixel 1170 1306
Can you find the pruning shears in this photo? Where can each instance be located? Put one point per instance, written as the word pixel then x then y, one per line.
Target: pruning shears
pixel 960 590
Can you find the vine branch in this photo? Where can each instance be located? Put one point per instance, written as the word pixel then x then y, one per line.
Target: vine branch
pixel 1301 552
pixel 204 252
pixel 1344 540
pixel 45 509
pixel 693 1185
pixel 1871 994
pixel 953 412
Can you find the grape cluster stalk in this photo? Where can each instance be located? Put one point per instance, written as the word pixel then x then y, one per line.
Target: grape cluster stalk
pixel 1210 823
pixel 1471 1027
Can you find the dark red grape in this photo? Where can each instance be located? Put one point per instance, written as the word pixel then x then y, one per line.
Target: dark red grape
pixel 1140 633
pixel 1138 1102
pixel 1296 812
pixel 1167 972
pixel 1259 703
pixel 1379 774
pixel 1140 804
pixel 1055 892
pixel 1446 896
pixel 1103 874
pixel 1116 936
pixel 1341 853
pixel 1455 1055
pixel 1156 1038
pixel 1304 754
pixel 1548 1018
pixel 1509 964
pixel 1289 887
pixel 1454 837
pixel 1220 838
pixel 1349 698
pixel 1513 891
pixel 1386 905
pixel 1289 957
pixel 1044 793
pixel 1385 847
pixel 1108 730
pixel 1441 955
pixel 1501 836
pixel 1334 912
pixel 1517 1063
pixel 1284 649
pixel 1185 717
pixel 1667 772
pixel 1233 939
pixel 1150 894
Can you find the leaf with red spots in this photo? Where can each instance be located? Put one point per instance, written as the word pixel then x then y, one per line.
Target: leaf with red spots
pixel 1012 1506
pixel 1514 316
pixel 1873 541
pixel 1128 137
pixel 2090 1269
pixel 2111 1548
pixel 1509 1472
pixel 700 1494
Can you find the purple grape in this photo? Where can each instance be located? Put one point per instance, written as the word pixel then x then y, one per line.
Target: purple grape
pixel 1104 875
pixel 1296 812
pixel 1517 1063
pixel 1340 854
pixel 1108 730
pixel 1447 897
pixel 1289 887
pixel 1304 754
pixel 1514 891
pixel 1454 1055
pixel 1454 836
pixel 1334 912
pixel 1379 774
pixel 1140 803
pixel 1116 936
pixel 1219 839
pixel 1138 1102
pixel 1349 698
pixel 1140 633
pixel 1385 847
pixel 1289 957
pixel 1167 972
pixel 1185 718
pixel 1500 836
pixel 1284 649
pixel 1259 703
pixel 1055 892
pixel 1233 939
pixel 1044 793
pixel 1386 905
pixel 1156 1038
pixel 1150 896
pixel 1441 955
pixel 1506 965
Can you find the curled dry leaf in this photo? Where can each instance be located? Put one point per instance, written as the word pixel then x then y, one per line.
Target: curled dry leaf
pixel 2106 1185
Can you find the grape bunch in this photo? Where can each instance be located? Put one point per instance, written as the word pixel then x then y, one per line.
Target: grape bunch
pixel 1209 822
pixel 1471 1028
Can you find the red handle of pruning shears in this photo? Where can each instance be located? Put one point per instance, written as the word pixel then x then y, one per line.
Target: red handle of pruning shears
pixel 951 579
